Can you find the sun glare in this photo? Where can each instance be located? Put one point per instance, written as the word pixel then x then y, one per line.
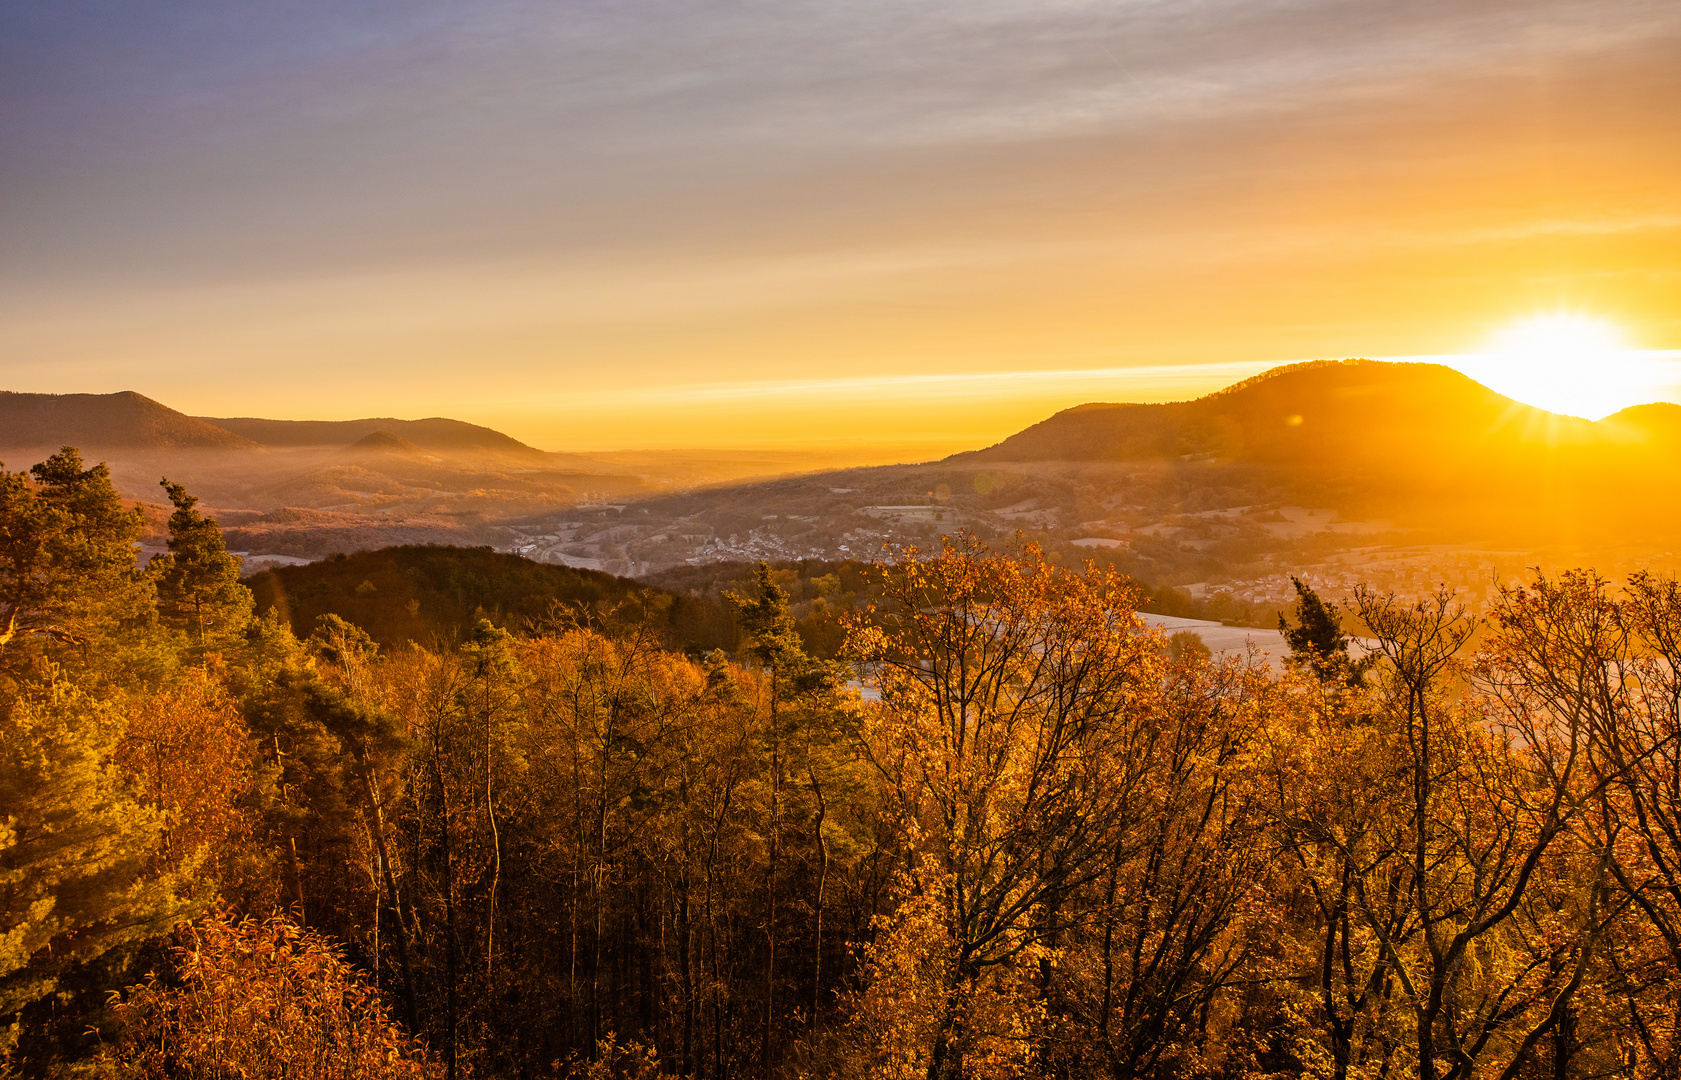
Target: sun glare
pixel 1565 363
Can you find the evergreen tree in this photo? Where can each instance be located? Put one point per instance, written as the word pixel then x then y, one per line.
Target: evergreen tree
pixel 66 552
pixel 198 581
pixel 1317 639
pixel 795 732
pixel 77 879
pixel 775 642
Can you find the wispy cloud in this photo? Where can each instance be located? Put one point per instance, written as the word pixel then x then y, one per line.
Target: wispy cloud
pixel 1144 383
pixel 425 197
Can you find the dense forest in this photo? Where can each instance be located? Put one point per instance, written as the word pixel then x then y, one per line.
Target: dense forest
pixel 566 841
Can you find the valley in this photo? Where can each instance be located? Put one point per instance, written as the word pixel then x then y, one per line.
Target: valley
pixel 1401 476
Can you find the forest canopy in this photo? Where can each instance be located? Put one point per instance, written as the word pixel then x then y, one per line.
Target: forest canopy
pixel 975 822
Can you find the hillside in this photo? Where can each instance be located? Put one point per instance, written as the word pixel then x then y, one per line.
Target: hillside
pixel 1349 430
pixel 121 421
pixel 436 433
pixel 314 488
pixel 1355 414
pixel 1281 470
pixel 1415 443
pixel 383 442
pixel 1657 425
pixel 430 593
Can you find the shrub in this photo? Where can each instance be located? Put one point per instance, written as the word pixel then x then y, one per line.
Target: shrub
pixel 254 999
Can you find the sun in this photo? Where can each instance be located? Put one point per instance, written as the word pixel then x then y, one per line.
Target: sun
pixel 1564 362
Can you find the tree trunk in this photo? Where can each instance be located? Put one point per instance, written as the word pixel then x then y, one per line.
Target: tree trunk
pixel 817 907
pixel 377 820
pixel 449 920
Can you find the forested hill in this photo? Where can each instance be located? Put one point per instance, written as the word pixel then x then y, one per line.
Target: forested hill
pixel 435 433
pixel 1355 414
pixel 432 593
pixel 125 420
pixel 1420 444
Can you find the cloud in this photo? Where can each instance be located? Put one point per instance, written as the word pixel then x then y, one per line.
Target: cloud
pixel 374 194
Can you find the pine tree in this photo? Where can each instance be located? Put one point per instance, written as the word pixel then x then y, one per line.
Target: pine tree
pixel 76 872
pixel 1318 640
pixel 794 675
pixel 198 581
pixel 66 553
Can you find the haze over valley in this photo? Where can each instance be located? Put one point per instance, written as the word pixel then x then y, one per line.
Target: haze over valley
pixel 934 540
pixel 1397 475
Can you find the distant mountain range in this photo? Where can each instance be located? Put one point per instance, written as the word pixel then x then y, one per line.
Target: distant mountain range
pixel 308 488
pixel 1418 448
pixel 1406 441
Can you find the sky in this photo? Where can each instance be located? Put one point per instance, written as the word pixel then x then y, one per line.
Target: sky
pixel 686 223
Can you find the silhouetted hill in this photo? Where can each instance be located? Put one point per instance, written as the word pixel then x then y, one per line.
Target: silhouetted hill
pixel 125 420
pixel 1350 415
pixel 426 593
pixel 434 433
pixel 383 442
pixel 1658 423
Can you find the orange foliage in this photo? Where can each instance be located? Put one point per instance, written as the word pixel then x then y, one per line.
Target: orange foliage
pixel 260 999
pixel 185 753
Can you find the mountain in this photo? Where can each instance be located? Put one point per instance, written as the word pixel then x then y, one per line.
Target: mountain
pixel 1350 415
pixel 1294 463
pixel 438 434
pixel 122 421
pixel 306 489
pixel 1420 443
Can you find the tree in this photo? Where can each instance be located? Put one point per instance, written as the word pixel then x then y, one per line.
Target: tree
pixel 1568 660
pixel 1339 793
pixel 794 675
pixel 1498 910
pixel 187 753
pixel 198 581
pixel 1167 935
pixel 66 552
pixel 77 878
pixel 1317 640
pixel 254 999
pixel 1012 742
pixel 1188 643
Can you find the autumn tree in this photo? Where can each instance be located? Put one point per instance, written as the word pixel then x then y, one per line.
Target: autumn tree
pixel 1569 660
pixel 1151 972
pixel 1497 912
pixel 251 998
pixel 797 727
pixel 1337 781
pixel 1012 744
pixel 188 755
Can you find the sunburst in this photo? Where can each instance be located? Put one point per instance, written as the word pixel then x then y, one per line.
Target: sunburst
pixel 1564 362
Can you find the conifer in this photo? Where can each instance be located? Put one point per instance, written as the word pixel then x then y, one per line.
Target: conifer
pixel 198 581
pixel 66 552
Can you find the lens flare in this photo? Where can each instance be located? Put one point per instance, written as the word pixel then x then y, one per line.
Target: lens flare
pixel 1565 363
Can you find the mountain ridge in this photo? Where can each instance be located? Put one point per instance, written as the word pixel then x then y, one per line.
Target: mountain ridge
pixel 435 433
pixel 1282 413
pixel 122 420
